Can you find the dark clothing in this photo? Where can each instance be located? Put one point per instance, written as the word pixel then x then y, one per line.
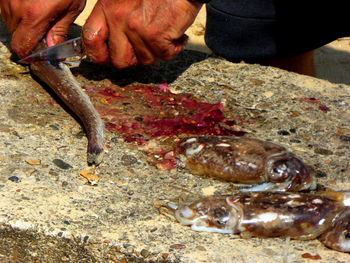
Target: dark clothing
pixel 251 30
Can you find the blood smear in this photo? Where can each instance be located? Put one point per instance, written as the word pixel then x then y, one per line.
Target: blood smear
pixel 140 113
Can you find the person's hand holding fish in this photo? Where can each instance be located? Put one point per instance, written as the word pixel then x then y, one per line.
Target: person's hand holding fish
pixel 29 21
pixel 127 33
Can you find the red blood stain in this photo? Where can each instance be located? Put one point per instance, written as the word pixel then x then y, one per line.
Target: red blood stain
pixel 140 113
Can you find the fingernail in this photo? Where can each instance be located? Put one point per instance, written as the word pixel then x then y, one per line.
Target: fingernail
pixel 89 34
pixel 51 40
pixel 179 49
pixel 58 38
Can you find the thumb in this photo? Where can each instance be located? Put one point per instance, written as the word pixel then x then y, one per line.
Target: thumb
pixel 95 35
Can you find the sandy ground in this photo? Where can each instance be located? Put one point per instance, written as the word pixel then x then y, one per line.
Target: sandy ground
pixel 332 61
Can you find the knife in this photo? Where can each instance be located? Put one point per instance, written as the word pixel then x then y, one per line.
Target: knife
pixel 70 48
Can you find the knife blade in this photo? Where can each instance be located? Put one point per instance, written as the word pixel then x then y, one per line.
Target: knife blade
pixel 70 48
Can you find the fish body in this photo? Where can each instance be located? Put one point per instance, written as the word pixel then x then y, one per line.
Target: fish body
pixel 59 78
pixel 246 161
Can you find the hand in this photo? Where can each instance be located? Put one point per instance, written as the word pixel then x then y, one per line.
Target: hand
pixel 29 21
pixel 130 32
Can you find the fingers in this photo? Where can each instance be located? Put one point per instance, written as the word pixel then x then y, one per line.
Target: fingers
pixel 59 31
pixel 151 43
pixel 156 28
pixel 97 30
pixel 95 34
pixel 164 33
pixel 26 37
pixel 10 18
pixel 28 26
pixel 29 20
pixel 142 52
pixel 148 50
pixel 169 47
pixel 15 26
pixel 121 50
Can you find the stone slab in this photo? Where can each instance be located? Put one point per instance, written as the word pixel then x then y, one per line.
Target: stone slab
pixel 51 214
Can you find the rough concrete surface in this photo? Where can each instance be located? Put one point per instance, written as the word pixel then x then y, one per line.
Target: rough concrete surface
pixel 49 213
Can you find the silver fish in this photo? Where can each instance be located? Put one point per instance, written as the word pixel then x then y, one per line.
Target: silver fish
pixel 59 78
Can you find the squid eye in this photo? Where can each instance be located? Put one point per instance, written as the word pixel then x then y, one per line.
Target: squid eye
pixel 221 217
pixel 279 172
pixel 347 235
pixel 221 222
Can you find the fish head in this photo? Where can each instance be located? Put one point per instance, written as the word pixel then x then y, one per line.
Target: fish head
pixel 211 214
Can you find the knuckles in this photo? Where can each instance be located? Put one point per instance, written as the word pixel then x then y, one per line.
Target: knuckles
pixel 128 61
pixel 99 59
pixel 32 13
